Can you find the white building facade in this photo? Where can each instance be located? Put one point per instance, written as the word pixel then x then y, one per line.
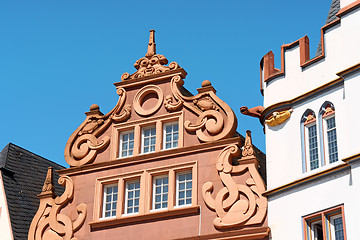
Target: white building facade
pixel 312 133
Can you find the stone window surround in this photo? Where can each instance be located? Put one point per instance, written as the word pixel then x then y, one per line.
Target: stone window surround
pixel 138 125
pixel 324 217
pixel 323 154
pixel 146 185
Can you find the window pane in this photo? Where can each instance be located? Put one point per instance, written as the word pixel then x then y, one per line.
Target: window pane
pixel 149 140
pixel 127 144
pixel 160 194
pixel 313 147
pixel 332 141
pixel 110 201
pixel 184 188
pixel 132 197
pixel 338 227
pixel 171 135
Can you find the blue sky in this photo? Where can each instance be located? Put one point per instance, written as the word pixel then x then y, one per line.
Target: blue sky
pixel 59 57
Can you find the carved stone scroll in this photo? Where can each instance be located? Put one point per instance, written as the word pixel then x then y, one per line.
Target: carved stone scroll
pixel 236 204
pixel 151 64
pixel 215 121
pixel 84 144
pixel 48 223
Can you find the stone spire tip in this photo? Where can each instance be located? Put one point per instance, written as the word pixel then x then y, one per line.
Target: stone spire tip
pixel 151 46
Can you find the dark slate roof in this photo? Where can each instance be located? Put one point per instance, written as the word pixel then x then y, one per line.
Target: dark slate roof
pixel 23 175
pixel 334 9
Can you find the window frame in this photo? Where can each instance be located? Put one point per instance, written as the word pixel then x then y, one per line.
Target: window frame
pixel 121 141
pixel 146 182
pixel 332 225
pixel 307 144
pixel 177 188
pixel 324 217
pixel 165 133
pixel 104 202
pixel 153 201
pixel 126 199
pixel 138 125
pixel 143 129
pixel 326 136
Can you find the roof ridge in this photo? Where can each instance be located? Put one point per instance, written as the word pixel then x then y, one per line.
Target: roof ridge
pixel 3 155
pixel 32 153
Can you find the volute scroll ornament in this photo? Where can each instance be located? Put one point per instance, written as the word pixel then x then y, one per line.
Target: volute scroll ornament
pixel 236 204
pixel 48 223
pixel 215 121
pixel 85 143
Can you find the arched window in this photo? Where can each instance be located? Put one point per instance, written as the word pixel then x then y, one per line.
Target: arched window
pixel 309 141
pixel 328 127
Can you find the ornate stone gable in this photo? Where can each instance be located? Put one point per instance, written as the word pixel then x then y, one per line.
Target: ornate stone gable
pixel 144 95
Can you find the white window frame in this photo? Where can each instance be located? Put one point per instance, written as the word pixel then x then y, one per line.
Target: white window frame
pixel 177 189
pixel 161 194
pixel 307 146
pixel 126 198
pixel 121 143
pixel 143 139
pixel 172 135
pixel 326 141
pixel 112 202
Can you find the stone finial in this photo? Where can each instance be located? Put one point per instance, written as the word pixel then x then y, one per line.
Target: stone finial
pixel 248 147
pixel 151 64
pixel 94 107
pixel 152 45
pixel 48 187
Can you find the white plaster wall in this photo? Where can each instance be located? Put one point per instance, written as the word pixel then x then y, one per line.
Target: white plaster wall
pixel 5 227
pixel 283 142
pixel 285 214
pixel 344 3
pixel 351 119
pixel 341 52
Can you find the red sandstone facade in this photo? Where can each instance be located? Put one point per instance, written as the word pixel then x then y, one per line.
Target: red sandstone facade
pixel 163 164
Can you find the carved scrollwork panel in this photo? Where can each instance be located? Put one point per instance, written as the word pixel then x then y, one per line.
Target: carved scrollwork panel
pixel 48 223
pixel 236 204
pixel 215 121
pixel 85 143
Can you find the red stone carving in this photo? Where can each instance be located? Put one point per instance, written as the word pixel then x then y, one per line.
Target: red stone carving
pixel 83 145
pixel 151 64
pixel 48 223
pixel 237 204
pixel 253 112
pixel 215 121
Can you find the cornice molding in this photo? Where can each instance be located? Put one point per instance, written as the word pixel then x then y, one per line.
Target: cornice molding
pixel 307 179
pixel 304 97
pixel 243 234
pixel 157 156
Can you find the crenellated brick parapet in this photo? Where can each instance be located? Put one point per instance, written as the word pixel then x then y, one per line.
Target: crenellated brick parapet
pixel 296 64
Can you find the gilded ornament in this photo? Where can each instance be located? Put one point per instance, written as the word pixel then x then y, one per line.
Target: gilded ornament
pixel 278 117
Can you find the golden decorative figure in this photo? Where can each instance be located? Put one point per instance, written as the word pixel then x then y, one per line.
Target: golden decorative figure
pixel 277 118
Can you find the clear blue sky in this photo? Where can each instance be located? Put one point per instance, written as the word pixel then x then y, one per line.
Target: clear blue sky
pixel 59 57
